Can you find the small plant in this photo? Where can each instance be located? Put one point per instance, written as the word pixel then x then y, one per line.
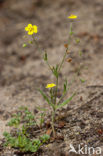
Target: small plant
pixel 42 116
pixel 22 121
pixel 23 114
pixel 15 121
pixel 24 143
pixel 51 99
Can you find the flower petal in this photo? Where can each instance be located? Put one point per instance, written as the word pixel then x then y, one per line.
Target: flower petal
pixel 30 32
pixel 35 28
pixel 72 16
pixel 51 85
pixel 30 26
pixel 26 29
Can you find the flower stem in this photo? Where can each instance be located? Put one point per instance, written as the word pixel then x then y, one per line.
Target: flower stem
pixel 56 89
pixel 40 50
pixel 69 39
pixel 63 60
pixel 53 120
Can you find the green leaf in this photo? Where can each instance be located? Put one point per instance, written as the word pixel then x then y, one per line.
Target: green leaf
pixel 65 86
pixel 6 134
pixel 55 70
pixel 36 142
pixel 82 80
pixel 14 122
pixel 24 45
pixel 71 32
pixel 45 57
pixel 31 42
pixel 65 102
pixel 46 98
pixel 45 138
pixel 77 40
pixel 57 67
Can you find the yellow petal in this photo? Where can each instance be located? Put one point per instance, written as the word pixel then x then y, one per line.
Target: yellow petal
pixel 72 16
pixel 35 28
pixel 30 32
pixel 50 85
pixel 26 29
pixel 29 26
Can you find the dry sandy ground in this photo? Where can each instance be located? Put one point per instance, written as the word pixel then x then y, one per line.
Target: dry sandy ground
pixel 22 71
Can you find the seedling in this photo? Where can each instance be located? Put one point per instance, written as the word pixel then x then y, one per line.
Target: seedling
pixel 21 139
pixel 24 143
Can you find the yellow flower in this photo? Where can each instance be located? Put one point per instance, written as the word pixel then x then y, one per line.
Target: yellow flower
pixel 50 85
pixel 72 16
pixel 31 29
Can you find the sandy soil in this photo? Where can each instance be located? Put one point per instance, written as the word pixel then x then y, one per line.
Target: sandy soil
pixel 22 71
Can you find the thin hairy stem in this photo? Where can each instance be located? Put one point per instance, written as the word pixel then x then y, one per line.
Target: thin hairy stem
pixel 65 54
pixel 40 50
pixel 53 120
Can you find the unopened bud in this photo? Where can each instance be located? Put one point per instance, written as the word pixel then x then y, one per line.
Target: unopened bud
pixel 66 45
pixel 69 60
